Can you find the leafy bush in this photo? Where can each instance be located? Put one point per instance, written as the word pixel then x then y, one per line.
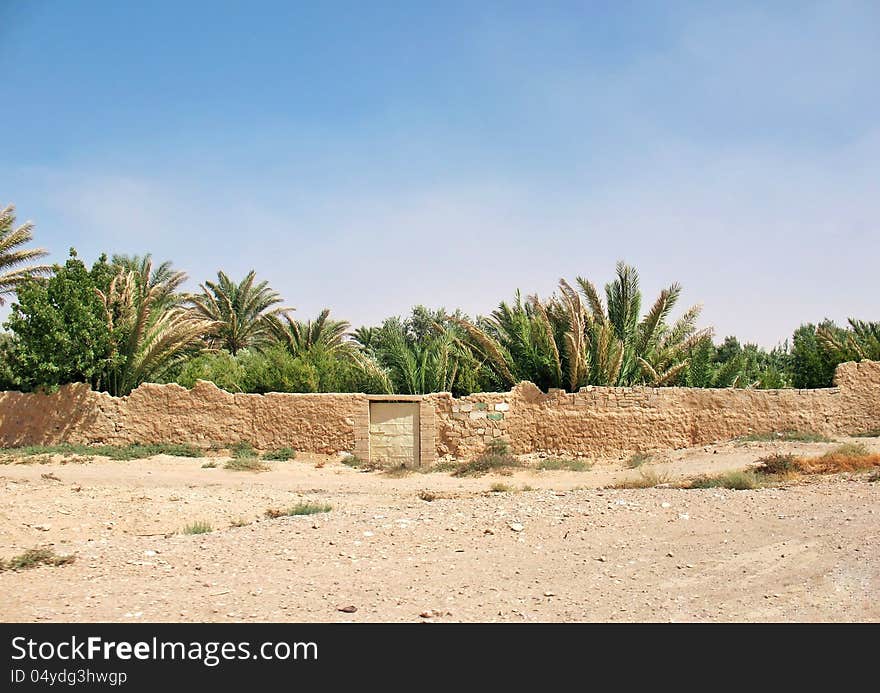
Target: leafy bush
pixel 218 367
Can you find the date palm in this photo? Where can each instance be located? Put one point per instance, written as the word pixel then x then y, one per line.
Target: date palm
pixel 577 338
pixel 322 333
pixel 151 331
pixel 13 258
pixel 246 314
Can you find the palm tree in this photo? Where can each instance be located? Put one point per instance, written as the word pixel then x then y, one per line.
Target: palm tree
pixel 13 256
pixel 151 332
pixel 322 333
pixel 861 341
pixel 418 366
pixel 246 314
pixel 576 338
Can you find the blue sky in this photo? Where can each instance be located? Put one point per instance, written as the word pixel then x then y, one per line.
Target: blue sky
pixel 371 156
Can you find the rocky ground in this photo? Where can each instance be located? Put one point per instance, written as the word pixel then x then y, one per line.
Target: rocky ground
pixel 565 549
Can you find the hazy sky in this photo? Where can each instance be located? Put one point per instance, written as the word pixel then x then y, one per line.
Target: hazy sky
pixel 371 156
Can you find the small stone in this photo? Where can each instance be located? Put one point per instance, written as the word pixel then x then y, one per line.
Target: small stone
pixel 515 526
pixel 665 505
pixel 149 552
pixel 347 609
pixel 488 531
pixel 601 559
pixel 549 594
pixel 684 516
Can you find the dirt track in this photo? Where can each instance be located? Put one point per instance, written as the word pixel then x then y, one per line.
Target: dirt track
pixel 565 551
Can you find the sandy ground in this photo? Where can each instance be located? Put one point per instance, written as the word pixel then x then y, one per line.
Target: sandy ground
pixel 566 550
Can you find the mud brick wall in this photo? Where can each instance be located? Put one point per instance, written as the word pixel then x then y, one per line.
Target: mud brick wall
pixel 205 415
pixel 594 422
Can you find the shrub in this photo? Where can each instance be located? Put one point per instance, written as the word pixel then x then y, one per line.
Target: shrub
pixel 276 370
pixel 778 465
pixel 198 528
pixel 737 480
pixel 242 449
pixel 246 464
pixel 280 455
pixel 34 557
pixel 495 458
pixel 219 367
pixel 500 488
pixel 647 478
pixel 299 509
pixel 637 460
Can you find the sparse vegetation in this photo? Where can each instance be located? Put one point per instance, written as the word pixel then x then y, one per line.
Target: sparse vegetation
pixel 444 466
pixel 786 437
pixel 556 464
pixel 35 557
pixel 397 472
pixel 647 478
pixel 637 460
pixel 495 459
pixel 239 522
pixel 778 465
pixel 242 450
pixel 427 496
pixel 280 455
pixel 736 480
pixel 246 464
pixel 353 461
pixel 849 457
pixel 873 433
pixel 498 487
pixel 298 509
pixel 198 528
pixel 209 465
pixel 114 452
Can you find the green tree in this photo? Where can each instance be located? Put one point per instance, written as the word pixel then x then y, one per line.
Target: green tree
pixel 13 258
pixel 246 314
pixel 60 327
pixel 811 365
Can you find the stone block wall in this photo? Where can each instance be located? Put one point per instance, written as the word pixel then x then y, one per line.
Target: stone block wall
pixel 594 422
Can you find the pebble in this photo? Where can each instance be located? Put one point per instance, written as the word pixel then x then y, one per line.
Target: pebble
pixel 347 609
pixel 516 526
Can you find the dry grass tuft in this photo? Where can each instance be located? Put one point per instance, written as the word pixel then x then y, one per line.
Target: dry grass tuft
pixel 648 478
